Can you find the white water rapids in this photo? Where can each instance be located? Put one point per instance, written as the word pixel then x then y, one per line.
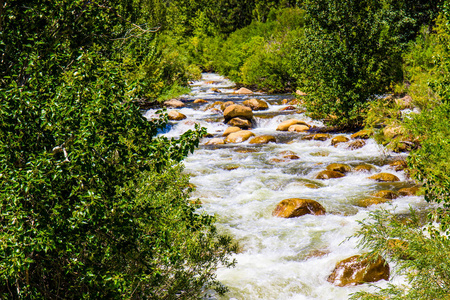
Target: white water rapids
pixel 282 258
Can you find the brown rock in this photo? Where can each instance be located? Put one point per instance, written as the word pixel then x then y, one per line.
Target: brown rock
pixel 215 141
pixel 372 201
pixel 411 191
pixel 308 137
pixel 392 131
pixel 327 174
pixel 226 104
pixel 364 168
pixel 239 136
pixel 240 122
pixel 231 130
pixel 399 165
pixel 386 194
pixel 175 115
pixel 290 107
pixel 356 144
pixel 196 101
pixel 363 134
pixel 298 128
pixel 236 110
pixel 321 137
pixel 263 139
pixel 243 91
pixel 216 90
pixel 294 207
pixel 356 270
pixel 284 126
pixel 256 104
pixel 339 139
pixel 173 103
pixel 384 177
pixel 216 105
pixel 342 168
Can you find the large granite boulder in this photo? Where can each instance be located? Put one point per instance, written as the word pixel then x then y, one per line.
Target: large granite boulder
pixel 294 207
pixel 239 111
pixel 256 104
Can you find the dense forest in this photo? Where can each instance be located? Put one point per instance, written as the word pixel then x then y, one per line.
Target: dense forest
pixel 93 201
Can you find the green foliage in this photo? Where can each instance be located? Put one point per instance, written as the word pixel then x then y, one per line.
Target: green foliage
pixel 93 204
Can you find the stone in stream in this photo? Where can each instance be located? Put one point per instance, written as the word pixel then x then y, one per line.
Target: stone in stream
pixel 321 137
pixel 231 130
pixel 174 103
pixel 290 107
pixel 288 154
pixel 291 102
pixel 411 191
pixel 386 194
pixel 214 106
pixel 240 122
pixel 362 134
pixel 215 90
pixel 327 174
pixel 175 115
pixel 215 141
pixel 225 105
pixel 256 104
pixel 243 91
pixel 372 201
pixel 356 144
pixel 263 139
pixel 298 128
pixel 295 207
pixel 201 101
pixel 239 136
pixel 358 270
pixel 237 110
pixel 398 165
pixel 342 168
pixel 364 168
pixel 339 139
pixel 384 177
pixel 284 126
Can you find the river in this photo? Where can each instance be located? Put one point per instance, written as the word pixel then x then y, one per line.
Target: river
pixel 241 184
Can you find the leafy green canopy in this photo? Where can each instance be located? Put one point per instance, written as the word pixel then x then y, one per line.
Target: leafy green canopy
pixel 91 205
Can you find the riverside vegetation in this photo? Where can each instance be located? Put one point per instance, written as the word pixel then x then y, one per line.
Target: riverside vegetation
pixel 79 217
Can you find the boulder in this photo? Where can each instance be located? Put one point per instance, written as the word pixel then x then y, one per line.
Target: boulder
pixel 239 136
pixel 243 91
pixel 263 139
pixel 175 115
pixel 225 105
pixel 240 122
pixel 197 101
pixel 386 194
pixel 398 165
pixel 298 128
pixel 357 270
pixel 339 139
pixel 231 130
pixel 294 207
pixel 321 137
pixel 173 103
pixel 362 134
pixel 215 141
pixel 342 168
pixel 327 174
pixel 372 201
pixel 364 168
pixel 284 126
pixel 256 104
pixel 356 144
pixel 411 191
pixel 384 177
pixel 237 110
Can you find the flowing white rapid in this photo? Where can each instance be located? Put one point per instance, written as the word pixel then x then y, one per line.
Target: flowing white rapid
pixel 242 183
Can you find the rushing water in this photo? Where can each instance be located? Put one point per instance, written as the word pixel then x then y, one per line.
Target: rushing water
pixel 242 183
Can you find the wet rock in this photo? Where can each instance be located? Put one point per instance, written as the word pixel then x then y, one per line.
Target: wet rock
pixel 240 122
pixel 298 128
pixel 290 107
pixel 215 106
pixel 246 150
pixel 356 270
pixel 215 141
pixel 175 115
pixel 363 134
pixel 294 207
pixel 339 139
pixel 384 177
pixel 364 168
pixel 308 137
pixel 239 137
pixel 356 144
pixel 386 194
pixel 174 103
pixel 317 253
pixel 327 174
pixel 200 101
pixel 243 91
pixel 231 167
pixel 256 104
pixel 215 90
pixel 231 130
pixel 372 201
pixel 239 111
pixel 411 191
pixel 342 168
pixel 398 165
pixel 321 137
pixel 225 105
pixel 284 126
pixel 263 139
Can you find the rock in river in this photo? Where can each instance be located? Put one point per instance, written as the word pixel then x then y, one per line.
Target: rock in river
pixel 237 110
pixel 327 174
pixel 294 207
pixel 256 104
pixel 175 115
pixel 284 126
pixel 263 139
pixel 384 177
pixel 239 136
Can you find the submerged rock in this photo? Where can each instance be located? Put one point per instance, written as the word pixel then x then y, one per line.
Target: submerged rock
pixel 256 104
pixel 239 136
pixel 356 270
pixel 384 177
pixel 263 139
pixel 295 207
pixel 327 174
